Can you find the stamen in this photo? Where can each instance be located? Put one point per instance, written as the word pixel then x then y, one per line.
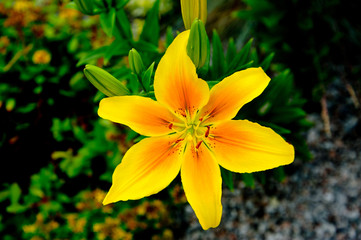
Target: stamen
pixel 207 132
pixel 178 140
pixel 199 144
pixel 170 125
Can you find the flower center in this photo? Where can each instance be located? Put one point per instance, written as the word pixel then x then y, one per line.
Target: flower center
pixel 193 130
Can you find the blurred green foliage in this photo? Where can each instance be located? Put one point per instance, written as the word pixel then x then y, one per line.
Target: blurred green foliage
pixel 317 40
pixel 60 155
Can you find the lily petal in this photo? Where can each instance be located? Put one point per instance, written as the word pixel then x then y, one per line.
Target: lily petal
pixel 243 146
pixel 229 95
pixel 202 184
pixel 143 115
pixel 147 168
pixel 176 83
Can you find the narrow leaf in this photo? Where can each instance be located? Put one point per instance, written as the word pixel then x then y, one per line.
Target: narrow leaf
pixel 151 29
pixel 241 57
pixel 92 55
pixel 169 36
pixel 143 46
pixel 227 178
pixel 122 26
pixel 119 47
pixel 147 76
pixel 248 179
pixel 267 61
pixel 107 21
pixel 231 51
pixel 218 61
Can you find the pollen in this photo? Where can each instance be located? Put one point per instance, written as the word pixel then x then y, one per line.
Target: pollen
pixel 199 144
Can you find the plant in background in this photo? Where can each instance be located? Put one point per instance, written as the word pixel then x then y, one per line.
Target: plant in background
pixel 315 39
pixel 49 113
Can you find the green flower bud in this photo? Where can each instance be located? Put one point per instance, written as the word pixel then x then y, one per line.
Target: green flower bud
pixel 85 6
pixel 197 47
pixel 135 62
pixel 104 81
pixel 193 9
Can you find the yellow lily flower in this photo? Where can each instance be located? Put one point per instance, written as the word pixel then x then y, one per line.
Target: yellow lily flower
pixel 191 131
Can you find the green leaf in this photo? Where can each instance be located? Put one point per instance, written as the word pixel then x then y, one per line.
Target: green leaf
pixel 92 55
pixel 119 47
pixel 72 166
pixel 119 3
pixel 279 89
pixel 231 51
pixel 122 26
pixel 248 179
pixel 107 21
pixel 59 126
pixel 10 104
pixel 16 208
pixel 4 195
pixel 227 177
pixel 218 61
pixel 98 96
pixel 169 36
pixel 15 193
pixel 267 61
pixel 151 29
pixel 212 83
pixel 77 82
pixel 147 77
pixel 280 130
pixel 260 176
pixel 241 58
pixel 27 108
pixel 287 114
pixel 85 7
pixel 143 46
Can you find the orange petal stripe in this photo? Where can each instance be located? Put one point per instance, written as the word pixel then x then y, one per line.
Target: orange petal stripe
pixel 143 115
pixel 202 184
pixel 176 83
pixel 242 146
pixel 229 95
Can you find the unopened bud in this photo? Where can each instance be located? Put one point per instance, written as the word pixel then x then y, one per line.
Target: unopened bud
pixel 104 81
pixel 197 46
pixel 193 9
pixel 135 62
pixel 85 6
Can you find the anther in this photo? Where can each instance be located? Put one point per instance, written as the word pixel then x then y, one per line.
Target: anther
pixel 178 140
pixel 199 144
pixel 170 126
pixel 207 132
